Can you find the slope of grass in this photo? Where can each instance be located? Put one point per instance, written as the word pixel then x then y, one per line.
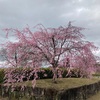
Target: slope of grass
pixel 95 97
pixel 64 83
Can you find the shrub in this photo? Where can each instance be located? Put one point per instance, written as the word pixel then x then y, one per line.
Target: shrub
pixel 28 74
pixel 45 73
pixel 2 75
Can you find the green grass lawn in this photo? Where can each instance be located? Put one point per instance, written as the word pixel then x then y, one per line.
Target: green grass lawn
pixel 63 83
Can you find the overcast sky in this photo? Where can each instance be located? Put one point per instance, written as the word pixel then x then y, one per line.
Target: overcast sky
pixel 51 13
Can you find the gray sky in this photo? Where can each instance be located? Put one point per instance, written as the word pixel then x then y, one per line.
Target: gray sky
pixel 51 13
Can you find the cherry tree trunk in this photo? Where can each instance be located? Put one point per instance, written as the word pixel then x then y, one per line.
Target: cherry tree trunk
pixel 54 75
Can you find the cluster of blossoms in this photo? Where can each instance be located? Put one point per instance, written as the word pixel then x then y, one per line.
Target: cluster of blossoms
pixel 16 75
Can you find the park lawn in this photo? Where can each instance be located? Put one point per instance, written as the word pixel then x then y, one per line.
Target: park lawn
pixel 63 83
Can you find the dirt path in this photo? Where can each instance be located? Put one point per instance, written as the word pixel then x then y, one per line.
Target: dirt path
pixel 95 97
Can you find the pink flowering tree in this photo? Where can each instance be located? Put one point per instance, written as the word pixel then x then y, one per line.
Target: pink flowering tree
pixel 51 45
pixel 84 59
pixel 18 55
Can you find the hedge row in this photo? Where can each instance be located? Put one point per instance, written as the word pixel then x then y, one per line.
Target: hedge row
pixel 2 75
pixel 44 73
